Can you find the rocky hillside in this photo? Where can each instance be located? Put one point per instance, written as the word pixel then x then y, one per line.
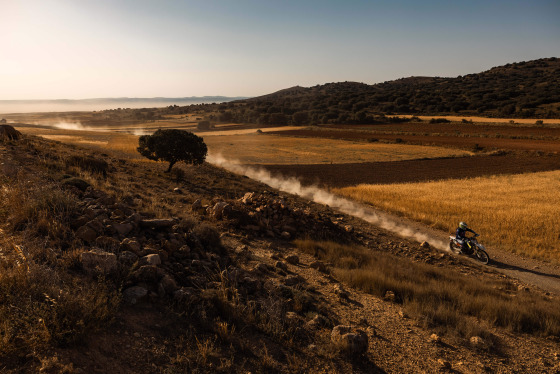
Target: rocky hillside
pixel 110 264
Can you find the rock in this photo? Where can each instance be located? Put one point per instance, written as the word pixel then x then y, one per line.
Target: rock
pixel 122 228
pixel 292 280
pixel 135 294
pixel 131 245
pixel 168 284
pixel 444 364
pixel 86 233
pixel 128 258
pixel 220 209
pixel 389 296
pixel 157 224
pixel 355 343
pixel 260 267
pixel 280 265
pixel 425 245
pixel 319 265
pixel 177 190
pixel 248 198
pixel 9 132
pixel 349 228
pixel 286 235
pixel 292 259
pixel 152 259
pixel 148 273
pixel 477 342
pixel 104 262
pixel 340 291
pixel 435 338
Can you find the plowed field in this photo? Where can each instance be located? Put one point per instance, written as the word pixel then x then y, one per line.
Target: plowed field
pixel 342 175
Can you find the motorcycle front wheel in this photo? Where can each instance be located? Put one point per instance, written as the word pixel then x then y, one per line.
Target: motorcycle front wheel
pixel 482 256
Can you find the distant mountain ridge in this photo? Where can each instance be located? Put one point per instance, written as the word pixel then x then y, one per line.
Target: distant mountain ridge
pixel 50 105
pixel 528 89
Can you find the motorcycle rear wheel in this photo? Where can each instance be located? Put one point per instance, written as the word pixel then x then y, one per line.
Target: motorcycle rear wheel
pixel 482 256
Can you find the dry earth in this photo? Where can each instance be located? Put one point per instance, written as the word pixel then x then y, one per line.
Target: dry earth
pixel 144 338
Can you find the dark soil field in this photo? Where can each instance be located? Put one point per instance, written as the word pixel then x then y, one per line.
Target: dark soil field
pixel 465 142
pixel 465 129
pixel 343 175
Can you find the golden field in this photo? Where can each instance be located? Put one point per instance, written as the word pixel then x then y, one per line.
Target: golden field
pixel 518 213
pixel 264 149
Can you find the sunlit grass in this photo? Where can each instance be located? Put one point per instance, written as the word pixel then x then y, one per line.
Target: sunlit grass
pixel 436 296
pixel 274 149
pixel 518 213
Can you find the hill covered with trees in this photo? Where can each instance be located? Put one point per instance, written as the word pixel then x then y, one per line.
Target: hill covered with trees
pixel 519 90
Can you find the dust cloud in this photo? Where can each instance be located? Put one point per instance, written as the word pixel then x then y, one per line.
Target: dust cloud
pixel 293 186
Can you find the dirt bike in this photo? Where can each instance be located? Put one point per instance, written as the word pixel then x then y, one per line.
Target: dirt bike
pixel 471 248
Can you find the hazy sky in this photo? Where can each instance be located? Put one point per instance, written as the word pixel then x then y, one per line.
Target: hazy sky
pixel 137 48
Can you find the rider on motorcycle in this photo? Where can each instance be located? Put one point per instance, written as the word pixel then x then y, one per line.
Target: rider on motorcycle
pixel 460 234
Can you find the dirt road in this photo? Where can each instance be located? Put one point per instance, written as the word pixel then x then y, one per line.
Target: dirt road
pixel 541 274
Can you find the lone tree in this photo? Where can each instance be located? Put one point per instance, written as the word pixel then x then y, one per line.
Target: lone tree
pixel 173 146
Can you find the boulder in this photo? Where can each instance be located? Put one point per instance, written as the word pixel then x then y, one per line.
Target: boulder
pixel 8 132
pixel 220 210
pixel 127 257
pixel 354 343
pixel 87 234
pixel 99 261
pixel 248 198
pixel 292 259
pixel 123 228
pixel 168 284
pixel 148 273
pixel 280 265
pixel 152 259
pixel 131 245
pixel 425 245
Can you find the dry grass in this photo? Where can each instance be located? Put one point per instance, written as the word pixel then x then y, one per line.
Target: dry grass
pixel 42 304
pixel 518 213
pixel 438 297
pixel 273 149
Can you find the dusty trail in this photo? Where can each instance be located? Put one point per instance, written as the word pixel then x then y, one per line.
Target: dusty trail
pixel 543 275
pixel 534 272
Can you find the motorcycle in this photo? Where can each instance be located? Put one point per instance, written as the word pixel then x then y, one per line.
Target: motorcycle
pixel 471 248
